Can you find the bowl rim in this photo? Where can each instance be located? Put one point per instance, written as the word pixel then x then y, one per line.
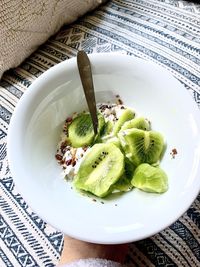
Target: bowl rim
pixel 29 93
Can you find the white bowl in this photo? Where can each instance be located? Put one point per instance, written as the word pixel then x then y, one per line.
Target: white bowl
pixel 35 130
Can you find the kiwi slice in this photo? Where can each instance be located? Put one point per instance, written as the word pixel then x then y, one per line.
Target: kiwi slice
pixel 123 184
pixel 139 123
pixel 81 131
pixel 126 115
pixel 141 146
pixel 107 129
pixel 150 179
pixel 101 167
pixel 112 140
pixel 129 168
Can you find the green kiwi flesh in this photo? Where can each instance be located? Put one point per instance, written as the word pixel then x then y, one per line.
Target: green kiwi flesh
pixel 150 179
pixel 101 167
pixel 80 131
pixel 107 129
pixel 126 115
pixel 123 184
pixel 112 140
pixel 139 123
pixel 141 146
pixel 129 168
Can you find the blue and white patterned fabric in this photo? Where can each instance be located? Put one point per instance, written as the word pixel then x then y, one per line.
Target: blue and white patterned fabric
pixel 166 32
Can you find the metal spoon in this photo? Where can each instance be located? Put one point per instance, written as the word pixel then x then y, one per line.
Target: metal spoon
pixel 85 72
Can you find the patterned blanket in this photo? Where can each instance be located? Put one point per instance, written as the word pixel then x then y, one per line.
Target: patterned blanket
pixel 166 32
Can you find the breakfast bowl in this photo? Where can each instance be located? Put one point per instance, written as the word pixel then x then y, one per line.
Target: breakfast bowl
pixel 35 131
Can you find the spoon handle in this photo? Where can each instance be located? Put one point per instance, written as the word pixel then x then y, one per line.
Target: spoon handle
pixel 85 72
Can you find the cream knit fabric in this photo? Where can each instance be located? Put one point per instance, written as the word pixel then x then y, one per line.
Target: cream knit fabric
pixel 92 263
pixel 25 24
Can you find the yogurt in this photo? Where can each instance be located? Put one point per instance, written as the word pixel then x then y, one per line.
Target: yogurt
pixel 69 157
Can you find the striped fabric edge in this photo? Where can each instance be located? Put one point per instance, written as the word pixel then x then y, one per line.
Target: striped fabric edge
pixel 19 79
